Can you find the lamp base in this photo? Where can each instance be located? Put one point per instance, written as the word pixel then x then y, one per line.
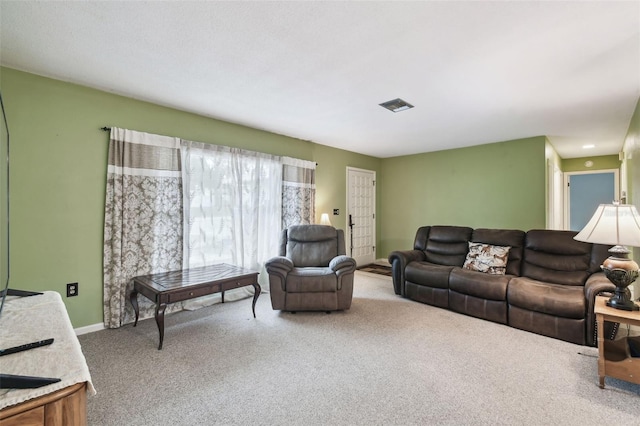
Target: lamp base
pixel 621 271
pixel 626 305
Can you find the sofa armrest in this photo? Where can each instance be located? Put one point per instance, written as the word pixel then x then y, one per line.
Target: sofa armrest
pixel 280 262
pixel 342 264
pixel 596 284
pixel 399 261
pixel 279 266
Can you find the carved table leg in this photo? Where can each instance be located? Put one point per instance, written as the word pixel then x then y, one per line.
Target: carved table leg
pixel 256 293
pixel 133 298
pixel 160 307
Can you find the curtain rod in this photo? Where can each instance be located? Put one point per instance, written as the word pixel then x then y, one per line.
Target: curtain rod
pixel 108 129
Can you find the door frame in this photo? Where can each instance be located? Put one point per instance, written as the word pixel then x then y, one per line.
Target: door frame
pixel 567 198
pixel 375 211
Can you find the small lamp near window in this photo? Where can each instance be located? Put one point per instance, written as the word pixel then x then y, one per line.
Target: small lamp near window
pixel 324 219
pixel 617 225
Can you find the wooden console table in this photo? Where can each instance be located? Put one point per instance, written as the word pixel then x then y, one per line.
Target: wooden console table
pixel 33 318
pixel 65 407
pixel 176 286
pixel 614 359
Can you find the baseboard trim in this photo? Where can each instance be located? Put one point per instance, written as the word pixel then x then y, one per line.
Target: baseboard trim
pixel 89 329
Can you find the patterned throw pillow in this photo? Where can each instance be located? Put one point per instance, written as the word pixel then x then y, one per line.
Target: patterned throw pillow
pixel 487 258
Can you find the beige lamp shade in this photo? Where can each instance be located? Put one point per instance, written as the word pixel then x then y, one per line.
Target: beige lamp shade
pixel 324 219
pixel 617 225
pixel 613 224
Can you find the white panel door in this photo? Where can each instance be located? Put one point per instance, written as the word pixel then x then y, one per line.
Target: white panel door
pixel 361 215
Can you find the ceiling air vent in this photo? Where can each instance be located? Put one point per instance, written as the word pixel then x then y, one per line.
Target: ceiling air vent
pixel 396 105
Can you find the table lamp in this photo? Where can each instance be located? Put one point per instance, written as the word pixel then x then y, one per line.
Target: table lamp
pixel 617 225
pixel 324 219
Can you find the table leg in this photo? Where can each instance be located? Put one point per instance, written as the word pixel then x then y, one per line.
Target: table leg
pixel 601 343
pixel 133 298
pixel 160 307
pixel 256 293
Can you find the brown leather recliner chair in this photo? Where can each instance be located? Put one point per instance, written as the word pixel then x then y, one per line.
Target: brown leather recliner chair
pixel 312 271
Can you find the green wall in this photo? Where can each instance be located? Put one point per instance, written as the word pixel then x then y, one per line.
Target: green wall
pixel 499 185
pixel 333 163
pixel 632 157
pixel 58 175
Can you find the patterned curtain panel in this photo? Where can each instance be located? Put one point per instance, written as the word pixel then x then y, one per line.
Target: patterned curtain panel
pixel 143 218
pixel 298 192
pixel 232 199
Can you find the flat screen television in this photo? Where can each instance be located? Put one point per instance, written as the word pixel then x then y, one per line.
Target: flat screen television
pixel 4 205
pixel 11 381
pixel 5 241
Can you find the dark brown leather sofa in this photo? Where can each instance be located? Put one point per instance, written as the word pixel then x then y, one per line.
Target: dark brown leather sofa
pixel 549 284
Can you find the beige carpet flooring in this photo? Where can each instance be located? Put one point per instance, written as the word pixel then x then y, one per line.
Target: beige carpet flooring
pixel 386 361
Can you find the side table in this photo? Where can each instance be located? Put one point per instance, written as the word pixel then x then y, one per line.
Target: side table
pixel 614 359
pixel 176 286
pixel 33 318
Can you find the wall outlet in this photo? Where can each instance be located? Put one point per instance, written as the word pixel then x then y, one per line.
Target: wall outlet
pixel 72 289
pixel 336 212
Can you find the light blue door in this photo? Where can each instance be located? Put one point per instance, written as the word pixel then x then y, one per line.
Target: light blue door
pixel 586 192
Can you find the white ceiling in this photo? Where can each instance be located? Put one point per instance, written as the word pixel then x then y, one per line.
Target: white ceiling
pixel 477 72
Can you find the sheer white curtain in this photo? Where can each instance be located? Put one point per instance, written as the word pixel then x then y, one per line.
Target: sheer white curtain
pixel 232 209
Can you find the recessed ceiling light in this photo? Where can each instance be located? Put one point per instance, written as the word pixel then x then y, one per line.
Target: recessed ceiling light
pixel 588 146
pixel 396 105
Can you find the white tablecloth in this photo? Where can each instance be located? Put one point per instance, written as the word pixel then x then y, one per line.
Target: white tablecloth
pixel 28 319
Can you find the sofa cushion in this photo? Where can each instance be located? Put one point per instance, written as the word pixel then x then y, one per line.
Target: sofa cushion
pixel 448 245
pixel 492 310
pixel 487 258
pixel 478 284
pixel 311 245
pixel 555 257
pixel 429 295
pixel 551 299
pixel 428 274
pixel 422 235
pixel 513 238
pixel 568 329
pixel 311 280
